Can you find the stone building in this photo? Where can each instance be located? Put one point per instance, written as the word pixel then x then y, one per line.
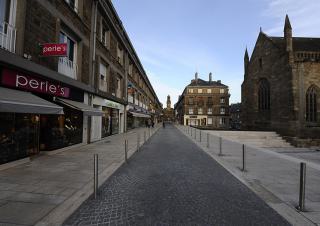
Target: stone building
pixel 168 112
pixel 77 94
pixel 280 90
pixel 235 116
pixel 204 104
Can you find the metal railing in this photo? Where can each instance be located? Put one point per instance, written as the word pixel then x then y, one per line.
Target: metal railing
pixel 8 35
pixel 67 67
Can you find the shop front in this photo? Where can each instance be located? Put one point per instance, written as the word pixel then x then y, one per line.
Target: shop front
pixel 112 120
pixel 137 117
pixel 38 115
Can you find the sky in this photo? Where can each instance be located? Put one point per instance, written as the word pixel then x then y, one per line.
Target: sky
pixel 176 38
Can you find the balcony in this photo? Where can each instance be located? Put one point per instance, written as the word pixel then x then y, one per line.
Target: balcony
pixel 67 67
pixel 103 85
pixel 8 37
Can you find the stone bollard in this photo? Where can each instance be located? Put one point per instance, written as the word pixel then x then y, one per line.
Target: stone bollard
pixel 302 190
pixel 138 141
pixel 126 151
pixel 208 144
pixel 243 158
pixel 220 146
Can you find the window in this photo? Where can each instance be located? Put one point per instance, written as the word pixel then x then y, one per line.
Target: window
pixel 103 85
pixel 209 121
pixel 222 100
pixel 221 91
pixel 199 90
pixel 105 34
pixel 208 90
pixel 311 104
pixel 190 90
pixel 7 25
pixel 120 54
pixel 190 111
pixel 200 111
pixel 264 95
pixel 118 94
pixel 73 4
pixel 209 111
pixel 67 65
pixel 260 63
pixel 222 111
pixel 190 100
pixel 130 69
pixel 222 121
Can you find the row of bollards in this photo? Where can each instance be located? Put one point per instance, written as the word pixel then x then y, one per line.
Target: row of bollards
pixel 95 159
pixel 302 180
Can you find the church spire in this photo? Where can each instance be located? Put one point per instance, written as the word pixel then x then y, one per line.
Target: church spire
pixel 246 61
pixel 287 24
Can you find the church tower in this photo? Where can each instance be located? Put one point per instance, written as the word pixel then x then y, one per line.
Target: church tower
pixel 168 102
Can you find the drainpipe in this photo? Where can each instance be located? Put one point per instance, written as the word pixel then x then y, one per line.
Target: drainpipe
pixel 93 63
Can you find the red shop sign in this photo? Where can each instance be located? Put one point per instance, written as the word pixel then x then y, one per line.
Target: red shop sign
pixel 54 49
pixel 18 80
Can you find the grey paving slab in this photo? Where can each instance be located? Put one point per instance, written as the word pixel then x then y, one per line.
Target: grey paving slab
pixel 171 181
pixel 23 213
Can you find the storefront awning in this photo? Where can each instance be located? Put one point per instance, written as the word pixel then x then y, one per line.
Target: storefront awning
pixel 23 102
pixel 87 110
pixel 140 115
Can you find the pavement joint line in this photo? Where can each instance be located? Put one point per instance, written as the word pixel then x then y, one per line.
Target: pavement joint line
pixel 298 219
pixel 62 211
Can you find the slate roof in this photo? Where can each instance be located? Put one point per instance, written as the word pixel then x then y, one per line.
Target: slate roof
pixel 299 43
pixel 205 83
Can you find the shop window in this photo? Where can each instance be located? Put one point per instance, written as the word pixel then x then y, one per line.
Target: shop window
pixel 67 65
pixel 105 34
pixel 103 85
pixel 311 104
pixel 110 122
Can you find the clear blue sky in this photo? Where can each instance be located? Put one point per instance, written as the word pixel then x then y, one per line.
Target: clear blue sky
pixel 176 38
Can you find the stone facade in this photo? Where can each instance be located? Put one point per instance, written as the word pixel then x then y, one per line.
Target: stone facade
pixel 276 80
pixel 204 104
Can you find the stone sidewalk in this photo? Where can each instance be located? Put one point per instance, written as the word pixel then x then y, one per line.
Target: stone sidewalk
pixel 46 190
pixel 273 176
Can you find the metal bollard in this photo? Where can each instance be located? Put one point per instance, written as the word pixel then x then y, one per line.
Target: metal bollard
pixel 243 158
pixel 208 144
pixel 302 191
pixel 95 175
pixel 191 132
pixel 138 141
pixel 195 134
pixel 149 133
pixel 220 146
pixel 200 136
pixel 126 150
pixel 144 135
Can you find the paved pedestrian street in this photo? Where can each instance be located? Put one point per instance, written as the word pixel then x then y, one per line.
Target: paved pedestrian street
pixel 171 181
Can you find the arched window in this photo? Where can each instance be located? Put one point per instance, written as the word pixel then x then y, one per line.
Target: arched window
pixel 264 95
pixel 311 104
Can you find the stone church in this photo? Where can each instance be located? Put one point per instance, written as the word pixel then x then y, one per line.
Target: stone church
pixel 168 112
pixel 281 87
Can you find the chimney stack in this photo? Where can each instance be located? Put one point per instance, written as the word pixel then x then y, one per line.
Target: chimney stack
pixel 210 77
pixel 196 77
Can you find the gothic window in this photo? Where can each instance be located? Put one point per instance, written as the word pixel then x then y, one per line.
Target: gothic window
pixel 264 95
pixel 311 104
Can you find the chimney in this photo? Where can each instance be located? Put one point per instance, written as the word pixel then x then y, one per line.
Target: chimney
pixel 196 77
pixel 210 77
pixel 218 81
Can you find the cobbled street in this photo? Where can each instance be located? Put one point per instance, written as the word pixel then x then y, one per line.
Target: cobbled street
pixel 173 182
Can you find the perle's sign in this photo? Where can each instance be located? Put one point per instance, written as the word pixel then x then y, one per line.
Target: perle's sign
pixel 53 49
pixel 18 80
